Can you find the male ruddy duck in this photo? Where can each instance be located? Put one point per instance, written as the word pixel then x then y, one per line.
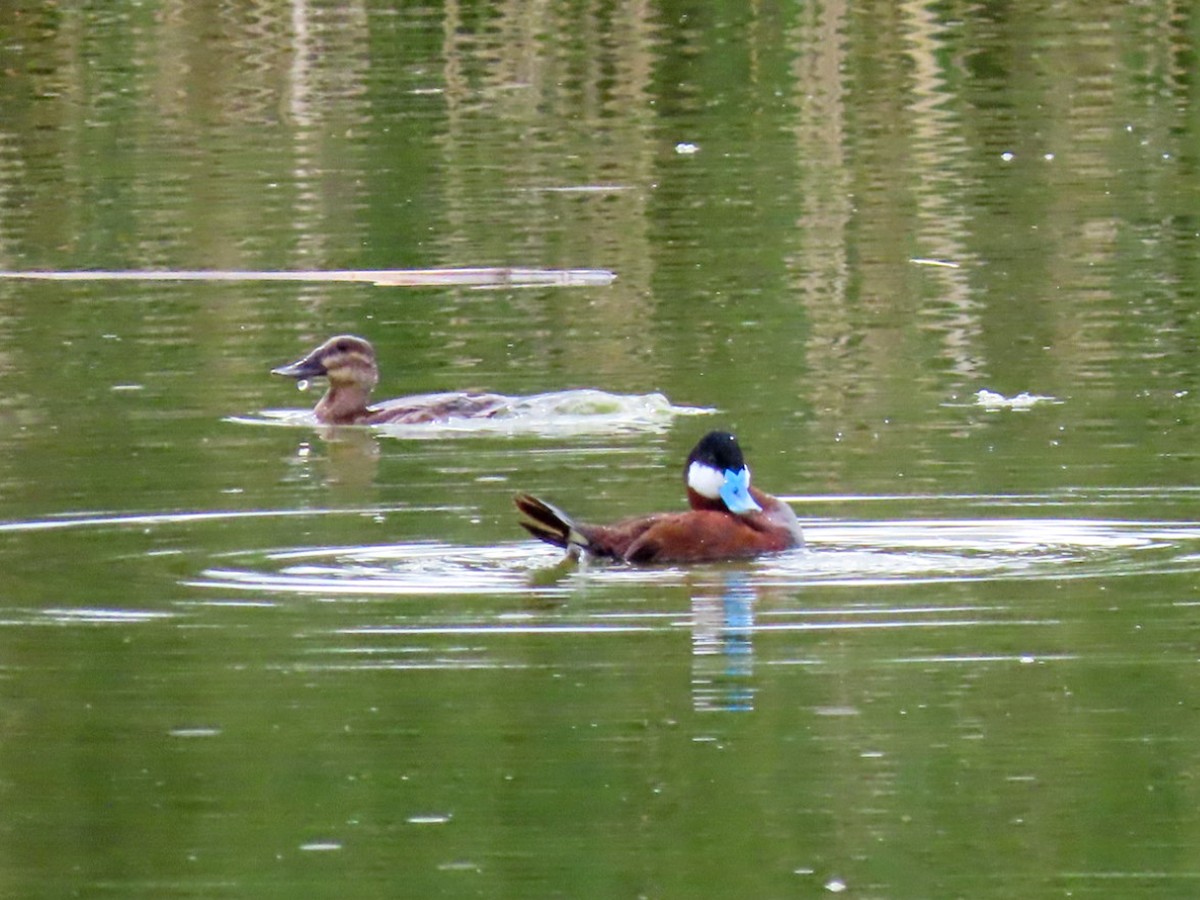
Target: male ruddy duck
pixel 348 362
pixel 728 518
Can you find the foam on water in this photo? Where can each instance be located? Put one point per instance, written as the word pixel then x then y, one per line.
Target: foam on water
pixel 553 414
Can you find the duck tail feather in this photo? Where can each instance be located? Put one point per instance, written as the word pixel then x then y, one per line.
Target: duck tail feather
pixel 549 523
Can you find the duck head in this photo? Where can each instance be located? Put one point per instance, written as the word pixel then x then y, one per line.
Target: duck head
pixel 717 475
pixel 348 363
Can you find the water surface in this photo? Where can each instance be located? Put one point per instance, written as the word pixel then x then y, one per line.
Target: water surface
pixel 934 265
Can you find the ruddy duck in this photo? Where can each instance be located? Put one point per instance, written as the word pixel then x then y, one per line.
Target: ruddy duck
pixel 348 362
pixel 728 518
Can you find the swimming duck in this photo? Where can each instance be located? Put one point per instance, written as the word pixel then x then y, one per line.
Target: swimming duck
pixel 348 362
pixel 728 518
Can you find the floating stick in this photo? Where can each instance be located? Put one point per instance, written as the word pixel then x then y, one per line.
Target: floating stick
pixel 483 277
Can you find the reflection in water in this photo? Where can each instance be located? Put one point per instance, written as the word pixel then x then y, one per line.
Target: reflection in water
pixel 723 647
pixel 348 457
pixel 940 156
pixel 522 121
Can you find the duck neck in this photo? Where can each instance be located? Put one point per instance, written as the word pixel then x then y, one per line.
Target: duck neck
pixel 343 404
pixel 699 501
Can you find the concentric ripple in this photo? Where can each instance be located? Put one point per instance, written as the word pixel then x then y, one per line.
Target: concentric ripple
pixel 845 553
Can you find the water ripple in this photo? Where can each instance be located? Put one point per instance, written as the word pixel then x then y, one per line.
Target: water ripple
pixel 838 553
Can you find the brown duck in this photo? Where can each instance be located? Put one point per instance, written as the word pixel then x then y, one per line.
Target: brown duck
pixel 348 364
pixel 728 518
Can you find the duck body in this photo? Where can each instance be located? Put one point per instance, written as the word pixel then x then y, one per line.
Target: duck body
pixel 348 363
pixel 728 518
pixel 418 409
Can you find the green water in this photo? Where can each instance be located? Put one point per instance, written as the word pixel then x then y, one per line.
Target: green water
pixel 240 659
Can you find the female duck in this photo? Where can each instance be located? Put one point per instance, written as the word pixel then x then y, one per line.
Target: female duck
pixel 348 362
pixel 728 518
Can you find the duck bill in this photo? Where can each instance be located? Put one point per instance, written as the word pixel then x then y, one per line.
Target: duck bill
pixel 308 367
pixel 735 491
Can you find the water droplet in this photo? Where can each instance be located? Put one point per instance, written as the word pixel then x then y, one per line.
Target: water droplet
pixel 303 384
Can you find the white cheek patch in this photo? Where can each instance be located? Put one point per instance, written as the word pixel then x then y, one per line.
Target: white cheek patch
pixel 705 480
